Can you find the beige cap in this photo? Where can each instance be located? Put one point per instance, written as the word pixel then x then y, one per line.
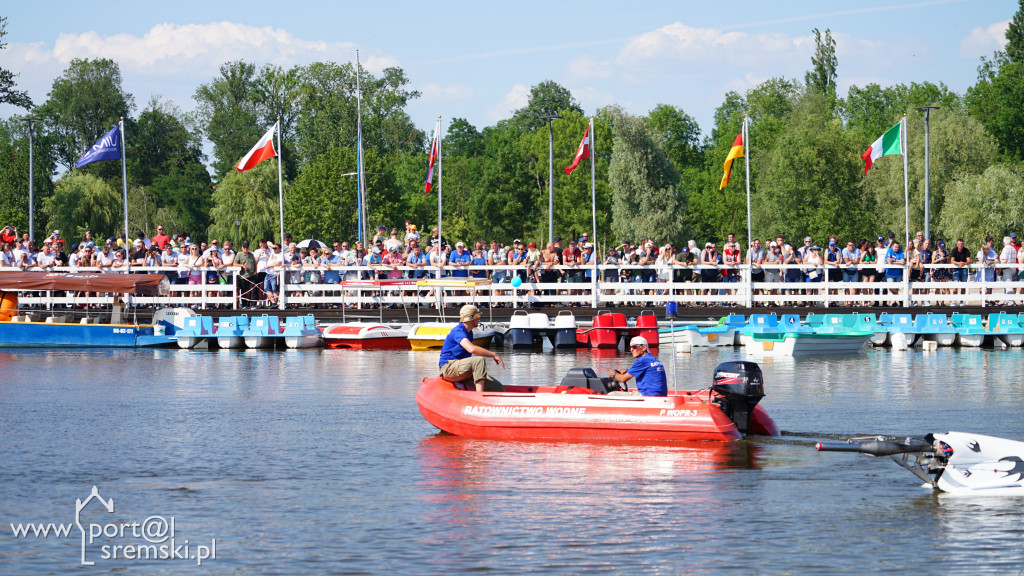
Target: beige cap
pixel 468 313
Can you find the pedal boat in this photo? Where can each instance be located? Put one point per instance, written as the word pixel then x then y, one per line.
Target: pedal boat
pixel 366 335
pixel 580 408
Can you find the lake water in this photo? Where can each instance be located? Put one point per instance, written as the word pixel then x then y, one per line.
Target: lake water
pixel 318 462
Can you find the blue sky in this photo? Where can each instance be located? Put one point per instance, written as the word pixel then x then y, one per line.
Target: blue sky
pixel 478 60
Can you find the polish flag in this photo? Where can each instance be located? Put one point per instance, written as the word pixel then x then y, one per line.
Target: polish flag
pixel 263 150
pixel 581 153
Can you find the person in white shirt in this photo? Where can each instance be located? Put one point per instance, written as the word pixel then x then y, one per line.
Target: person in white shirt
pixel 46 258
pixel 273 267
pixel 1008 256
pixel 497 256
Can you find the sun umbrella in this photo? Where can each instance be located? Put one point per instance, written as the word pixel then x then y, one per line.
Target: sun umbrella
pixel 310 243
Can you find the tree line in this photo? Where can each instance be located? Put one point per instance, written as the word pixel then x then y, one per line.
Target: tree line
pixel 656 175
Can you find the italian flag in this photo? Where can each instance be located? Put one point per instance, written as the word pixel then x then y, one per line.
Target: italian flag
pixel 263 150
pixel 889 143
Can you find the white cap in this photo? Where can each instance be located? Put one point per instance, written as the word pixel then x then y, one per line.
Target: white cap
pixel 588 245
pixel 638 341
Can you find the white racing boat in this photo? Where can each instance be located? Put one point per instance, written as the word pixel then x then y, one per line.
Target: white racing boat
pixel 954 462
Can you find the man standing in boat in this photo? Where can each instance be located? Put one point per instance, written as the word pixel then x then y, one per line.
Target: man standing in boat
pixel 648 370
pixel 461 359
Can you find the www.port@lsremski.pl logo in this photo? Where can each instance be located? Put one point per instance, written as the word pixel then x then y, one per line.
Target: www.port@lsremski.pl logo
pixel 151 539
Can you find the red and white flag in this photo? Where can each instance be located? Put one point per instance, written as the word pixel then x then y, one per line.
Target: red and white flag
pixel 433 158
pixel 581 153
pixel 263 150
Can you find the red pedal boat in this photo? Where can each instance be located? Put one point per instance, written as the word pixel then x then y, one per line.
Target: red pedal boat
pixel 580 408
pixel 366 335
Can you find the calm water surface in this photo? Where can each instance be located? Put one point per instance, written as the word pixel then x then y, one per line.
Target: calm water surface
pixel 317 462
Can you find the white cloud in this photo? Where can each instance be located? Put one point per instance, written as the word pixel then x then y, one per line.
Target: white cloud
pixel 451 93
pixel 182 47
pixel 172 55
pixel 983 41
pixel 681 42
pixel 514 99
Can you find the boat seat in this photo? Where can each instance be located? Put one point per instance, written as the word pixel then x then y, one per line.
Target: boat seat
pixel 490 385
pixel 55 320
pixel 585 378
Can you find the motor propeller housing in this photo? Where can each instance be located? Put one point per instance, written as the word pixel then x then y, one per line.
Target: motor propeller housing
pixel 741 387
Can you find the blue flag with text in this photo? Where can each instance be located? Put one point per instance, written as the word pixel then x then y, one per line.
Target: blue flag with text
pixel 106 148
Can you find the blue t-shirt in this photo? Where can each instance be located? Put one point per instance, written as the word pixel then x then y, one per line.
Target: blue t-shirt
pixel 457 258
pixel 479 273
pixel 650 376
pixel 452 350
pixel 421 259
pixel 332 276
pixel 896 273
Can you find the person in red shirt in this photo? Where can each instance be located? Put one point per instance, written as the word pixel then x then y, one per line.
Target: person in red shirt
pixel 161 239
pixel 572 256
pixel 9 234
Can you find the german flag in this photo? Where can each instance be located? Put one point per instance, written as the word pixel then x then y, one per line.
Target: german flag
pixel 735 152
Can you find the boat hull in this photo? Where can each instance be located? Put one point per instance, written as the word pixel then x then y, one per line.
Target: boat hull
pixel 527 413
pixel 57 335
pixel 431 336
pixel 261 341
pixel 940 338
pixel 303 341
pixel 796 344
pixel 190 342
pixel 231 342
pixel 970 340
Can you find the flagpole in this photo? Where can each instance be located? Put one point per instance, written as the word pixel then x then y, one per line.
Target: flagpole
pixel 746 162
pixel 280 202
pixel 906 181
pixel 440 261
pixel 124 183
pixel 594 254
pixel 360 176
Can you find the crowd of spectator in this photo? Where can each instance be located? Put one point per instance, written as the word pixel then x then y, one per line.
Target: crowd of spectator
pixel 406 254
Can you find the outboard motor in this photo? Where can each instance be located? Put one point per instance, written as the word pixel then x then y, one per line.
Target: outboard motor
pixel 741 387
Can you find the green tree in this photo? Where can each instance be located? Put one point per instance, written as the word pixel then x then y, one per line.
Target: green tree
pixel 1015 35
pixel 230 114
pixel 546 99
pixel 328 110
pixel 83 202
pixel 85 102
pixel 822 77
pixel 978 205
pixel 165 159
pixel 645 202
pixel 995 101
pixel 872 110
pixel 712 214
pixel 250 197
pixel 809 183
pixel 679 134
pixel 8 95
pixel 506 184
pixel 959 146
pixel 462 139
pixel 14 176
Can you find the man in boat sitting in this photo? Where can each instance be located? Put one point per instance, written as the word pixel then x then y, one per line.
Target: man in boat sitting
pixel 648 371
pixel 461 359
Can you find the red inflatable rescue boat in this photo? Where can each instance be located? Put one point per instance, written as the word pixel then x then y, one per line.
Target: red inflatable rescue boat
pixel 581 408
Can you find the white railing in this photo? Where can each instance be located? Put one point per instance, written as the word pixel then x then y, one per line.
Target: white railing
pixel 742 292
